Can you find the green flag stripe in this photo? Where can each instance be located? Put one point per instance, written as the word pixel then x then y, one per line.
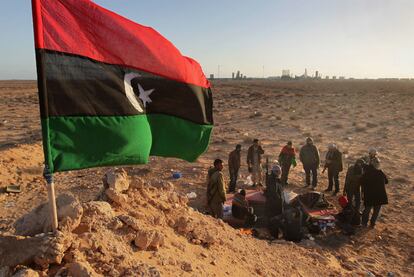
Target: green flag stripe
pixel 76 142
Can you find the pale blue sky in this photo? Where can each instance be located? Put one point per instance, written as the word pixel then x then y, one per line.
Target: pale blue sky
pixel 355 38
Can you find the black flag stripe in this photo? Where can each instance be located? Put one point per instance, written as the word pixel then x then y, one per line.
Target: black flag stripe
pixel 80 86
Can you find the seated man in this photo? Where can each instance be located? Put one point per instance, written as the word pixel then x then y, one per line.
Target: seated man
pixel 348 217
pixel 240 208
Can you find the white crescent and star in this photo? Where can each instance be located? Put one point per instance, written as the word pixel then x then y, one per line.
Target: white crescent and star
pixel 143 94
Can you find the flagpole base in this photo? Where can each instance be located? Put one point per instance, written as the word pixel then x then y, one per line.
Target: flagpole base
pixel 52 199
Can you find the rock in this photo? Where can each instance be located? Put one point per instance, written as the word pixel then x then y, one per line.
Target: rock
pixel 102 208
pixel 26 272
pixel 187 267
pixel 130 221
pixel 116 224
pixel 81 269
pixel 183 225
pixel 149 240
pixel 42 250
pixel 37 221
pixel 116 196
pixel 95 213
pixel 142 270
pixel 118 181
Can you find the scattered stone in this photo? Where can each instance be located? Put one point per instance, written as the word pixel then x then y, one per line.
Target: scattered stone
pixel 101 208
pixel 37 221
pixel 187 267
pixel 81 269
pixel 42 250
pixel 116 196
pixel 149 240
pixel 130 221
pixel 26 272
pixel 118 181
pixel 142 270
pixel 116 224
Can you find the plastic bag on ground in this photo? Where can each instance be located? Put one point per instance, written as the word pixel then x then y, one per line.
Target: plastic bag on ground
pixel 288 196
pixel 249 181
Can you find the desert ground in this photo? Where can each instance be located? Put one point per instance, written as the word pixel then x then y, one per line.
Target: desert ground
pixel 355 114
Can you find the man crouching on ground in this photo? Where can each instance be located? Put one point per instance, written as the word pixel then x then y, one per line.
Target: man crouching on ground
pixel 216 190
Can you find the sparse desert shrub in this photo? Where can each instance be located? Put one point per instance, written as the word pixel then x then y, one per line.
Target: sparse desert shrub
pixel 400 180
pixel 360 129
pixel 372 125
pixel 337 126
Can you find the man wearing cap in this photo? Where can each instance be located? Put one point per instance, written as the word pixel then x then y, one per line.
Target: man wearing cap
pixel 254 156
pixel 286 159
pixel 234 166
pixel 216 189
pixel 333 162
pixel 309 156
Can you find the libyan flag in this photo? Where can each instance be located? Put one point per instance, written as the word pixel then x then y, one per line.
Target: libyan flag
pixel 113 92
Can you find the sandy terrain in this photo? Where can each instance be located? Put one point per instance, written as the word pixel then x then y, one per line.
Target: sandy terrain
pixel 354 114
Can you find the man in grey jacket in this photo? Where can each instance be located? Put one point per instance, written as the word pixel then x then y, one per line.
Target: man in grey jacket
pixel 309 156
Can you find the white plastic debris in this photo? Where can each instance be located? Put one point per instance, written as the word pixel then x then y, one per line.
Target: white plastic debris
pixel 288 196
pixel 192 195
pixel 249 181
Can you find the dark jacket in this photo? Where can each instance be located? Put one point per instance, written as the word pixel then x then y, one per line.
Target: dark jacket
pixel 309 155
pixel 333 160
pixel 239 206
pixel 353 179
pixel 287 155
pixel 373 186
pixel 234 161
pixel 273 193
pixel 251 152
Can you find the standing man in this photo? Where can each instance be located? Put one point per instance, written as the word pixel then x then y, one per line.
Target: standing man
pixel 254 156
pixel 287 158
pixel 216 190
pixel 333 162
pixel 352 187
pixel 309 156
pixel 373 189
pixel 234 166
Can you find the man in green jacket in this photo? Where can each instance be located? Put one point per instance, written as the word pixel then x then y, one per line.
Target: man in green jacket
pixel 216 189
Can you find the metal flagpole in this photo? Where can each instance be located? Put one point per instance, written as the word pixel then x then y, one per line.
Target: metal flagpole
pixel 52 198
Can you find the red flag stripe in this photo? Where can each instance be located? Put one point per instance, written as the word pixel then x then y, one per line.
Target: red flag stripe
pixel 83 28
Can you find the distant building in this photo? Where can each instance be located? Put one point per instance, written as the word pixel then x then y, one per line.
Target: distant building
pixel 211 76
pixel 232 75
pixel 327 77
pixel 238 74
pixel 333 77
pixel 285 74
pixel 316 74
pixel 341 78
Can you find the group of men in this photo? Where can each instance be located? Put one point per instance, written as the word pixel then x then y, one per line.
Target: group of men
pixel 364 176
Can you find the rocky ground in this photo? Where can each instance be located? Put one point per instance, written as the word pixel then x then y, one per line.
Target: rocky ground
pixel 142 224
